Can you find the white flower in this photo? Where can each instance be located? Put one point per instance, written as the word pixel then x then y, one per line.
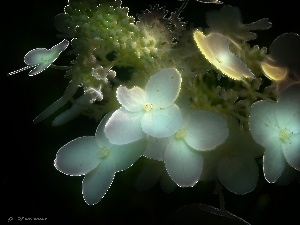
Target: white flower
pixel 151 111
pixel 182 153
pixel 41 58
pixel 276 126
pixel 98 159
pixel 215 48
pixel 233 162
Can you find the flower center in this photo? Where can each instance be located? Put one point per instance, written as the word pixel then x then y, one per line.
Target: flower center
pixel 103 153
pixel 148 107
pixel 285 135
pixel 180 134
pixel 222 58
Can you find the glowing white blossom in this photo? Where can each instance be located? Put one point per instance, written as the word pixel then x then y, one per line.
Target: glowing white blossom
pixel 97 159
pixel 151 111
pixel 276 126
pixel 215 48
pixel 182 152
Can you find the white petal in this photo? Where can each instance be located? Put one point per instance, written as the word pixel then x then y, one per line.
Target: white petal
pixel 288 118
pixel 57 49
pixel 126 155
pixel 34 57
pixel 215 48
pixel 101 140
pixel 40 68
pixel 97 182
pixel 238 174
pixel 162 122
pixel 124 127
pixel 78 156
pixel 163 87
pixel 273 161
pixel 132 99
pixel 291 151
pixel 183 164
pixel 156 148
pixel 287 111
pixel 262 121
pixel 205 130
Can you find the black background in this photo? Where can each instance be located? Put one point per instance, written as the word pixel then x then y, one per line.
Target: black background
pixel 30 185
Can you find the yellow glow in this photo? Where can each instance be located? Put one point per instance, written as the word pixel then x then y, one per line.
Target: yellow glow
pixel 274 72
pixel 148 107
pixel 215 48
pixel 180 134
pixel 285 136
pixel 103 153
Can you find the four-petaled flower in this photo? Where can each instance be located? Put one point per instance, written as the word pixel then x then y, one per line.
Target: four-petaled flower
pixel 98 159
pixel 151 111
pixel 182 152
pixel 276 126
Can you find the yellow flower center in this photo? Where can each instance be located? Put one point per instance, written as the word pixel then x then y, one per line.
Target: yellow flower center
pixel 180 134
pixel 103 153
pixel 148 107
pixel 285 135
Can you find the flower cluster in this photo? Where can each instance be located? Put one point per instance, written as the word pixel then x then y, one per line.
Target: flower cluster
pixel 203 102
pixel 148 123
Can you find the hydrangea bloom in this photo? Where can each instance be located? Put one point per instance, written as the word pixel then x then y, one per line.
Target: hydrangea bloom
pixel 182 152
pixel 215 48
pixel 233 162
pixel 98 159
pixel 276 126
pixel 151 111
pixel 41 58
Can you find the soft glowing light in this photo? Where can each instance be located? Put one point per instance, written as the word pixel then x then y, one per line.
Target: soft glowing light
pixel 97 159
pixel 215 48
pixel 274 72
pixel 148 107
pixel 147 111
pixel 276 126
pixel 180 134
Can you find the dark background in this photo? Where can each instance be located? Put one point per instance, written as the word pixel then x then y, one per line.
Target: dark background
pixel 31 186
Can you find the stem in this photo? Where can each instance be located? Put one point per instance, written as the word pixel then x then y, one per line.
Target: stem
pixel 60 67
pixel 219 190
